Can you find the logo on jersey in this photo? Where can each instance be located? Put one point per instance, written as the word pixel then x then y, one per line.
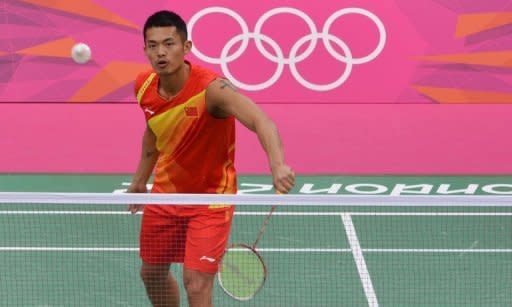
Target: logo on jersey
pixel 150 112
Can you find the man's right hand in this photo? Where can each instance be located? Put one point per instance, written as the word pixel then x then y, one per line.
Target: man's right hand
pixel 136 188
pixel 283 178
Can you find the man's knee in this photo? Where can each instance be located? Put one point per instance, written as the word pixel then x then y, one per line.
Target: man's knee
pixel 197 283
pixel 152 274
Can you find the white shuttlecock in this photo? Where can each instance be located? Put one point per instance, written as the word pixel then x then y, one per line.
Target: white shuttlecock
pixel 81 53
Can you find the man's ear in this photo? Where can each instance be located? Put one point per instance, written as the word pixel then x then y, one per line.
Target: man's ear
pixel 188 46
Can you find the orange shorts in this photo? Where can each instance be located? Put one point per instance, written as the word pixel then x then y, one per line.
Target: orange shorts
pixel 196 236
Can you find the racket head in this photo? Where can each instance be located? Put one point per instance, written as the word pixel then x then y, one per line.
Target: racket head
pixel 242 272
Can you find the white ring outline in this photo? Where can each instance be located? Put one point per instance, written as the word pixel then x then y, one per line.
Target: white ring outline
pixel 360 11
pixel 280 10
pixel 329 86
pixel 220 10
pixel 252 87
pixel 326 37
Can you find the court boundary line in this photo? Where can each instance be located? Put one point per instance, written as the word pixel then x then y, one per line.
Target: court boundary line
pixel 257 213
pixel 265 250
pixel 357 253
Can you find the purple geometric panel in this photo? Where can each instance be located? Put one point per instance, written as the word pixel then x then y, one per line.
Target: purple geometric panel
pixel 122 95
pixel 475 6
pixel 44 68
pixel 19 19
pixel 8 66
pixel 16 37
pixel 58 92
pixel 464 76
pixel 494 39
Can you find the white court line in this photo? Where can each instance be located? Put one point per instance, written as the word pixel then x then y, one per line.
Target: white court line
pixel 364 275
pixel 40 212
pixel 256 213
pixel 378 213
pixel 434 250
pixel 67 249
pixel 298 250
pixel 266 250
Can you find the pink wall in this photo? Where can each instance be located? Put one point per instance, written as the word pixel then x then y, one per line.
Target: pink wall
pixel 391 114
pixel 320 138
pixel 391 48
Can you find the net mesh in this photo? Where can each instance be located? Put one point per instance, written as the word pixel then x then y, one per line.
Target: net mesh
pixel 82 250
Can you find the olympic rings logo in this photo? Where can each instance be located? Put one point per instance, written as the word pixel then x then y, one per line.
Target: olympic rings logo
pixel 293 58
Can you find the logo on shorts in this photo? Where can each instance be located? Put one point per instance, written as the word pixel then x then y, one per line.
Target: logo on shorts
pixel 212 260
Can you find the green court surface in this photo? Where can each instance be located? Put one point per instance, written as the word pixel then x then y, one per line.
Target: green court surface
pixel 87 255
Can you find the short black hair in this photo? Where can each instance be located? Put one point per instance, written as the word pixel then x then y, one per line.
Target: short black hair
pixel 167 19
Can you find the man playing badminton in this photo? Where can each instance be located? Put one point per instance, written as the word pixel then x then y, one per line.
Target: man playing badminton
pixel 190 138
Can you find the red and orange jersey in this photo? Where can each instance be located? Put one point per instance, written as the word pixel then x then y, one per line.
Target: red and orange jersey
pixel 196 149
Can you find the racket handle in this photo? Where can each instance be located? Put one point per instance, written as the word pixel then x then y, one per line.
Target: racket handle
pixel 262 230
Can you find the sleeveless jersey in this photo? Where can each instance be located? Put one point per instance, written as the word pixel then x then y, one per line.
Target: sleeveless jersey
pixel 196 149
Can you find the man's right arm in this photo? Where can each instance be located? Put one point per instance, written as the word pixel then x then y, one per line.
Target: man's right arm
pixel 148 158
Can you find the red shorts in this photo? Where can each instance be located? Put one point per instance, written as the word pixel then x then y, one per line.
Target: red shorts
pixel 195 236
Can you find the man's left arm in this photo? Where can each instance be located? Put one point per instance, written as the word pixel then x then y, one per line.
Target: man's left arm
pixel 223 100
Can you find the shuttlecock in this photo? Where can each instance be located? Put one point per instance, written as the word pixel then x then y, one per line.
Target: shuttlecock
pixel 81 53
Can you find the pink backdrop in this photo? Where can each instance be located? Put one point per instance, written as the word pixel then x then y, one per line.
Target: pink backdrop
pixel 389 51
pixel 344 139
pixel 424 88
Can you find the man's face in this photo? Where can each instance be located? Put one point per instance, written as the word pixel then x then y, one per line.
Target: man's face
pixel 165 50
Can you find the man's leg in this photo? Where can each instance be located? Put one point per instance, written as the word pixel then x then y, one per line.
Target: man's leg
pixel 199 286
pixel 161 286
pixel 162 242
pixel 207 237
